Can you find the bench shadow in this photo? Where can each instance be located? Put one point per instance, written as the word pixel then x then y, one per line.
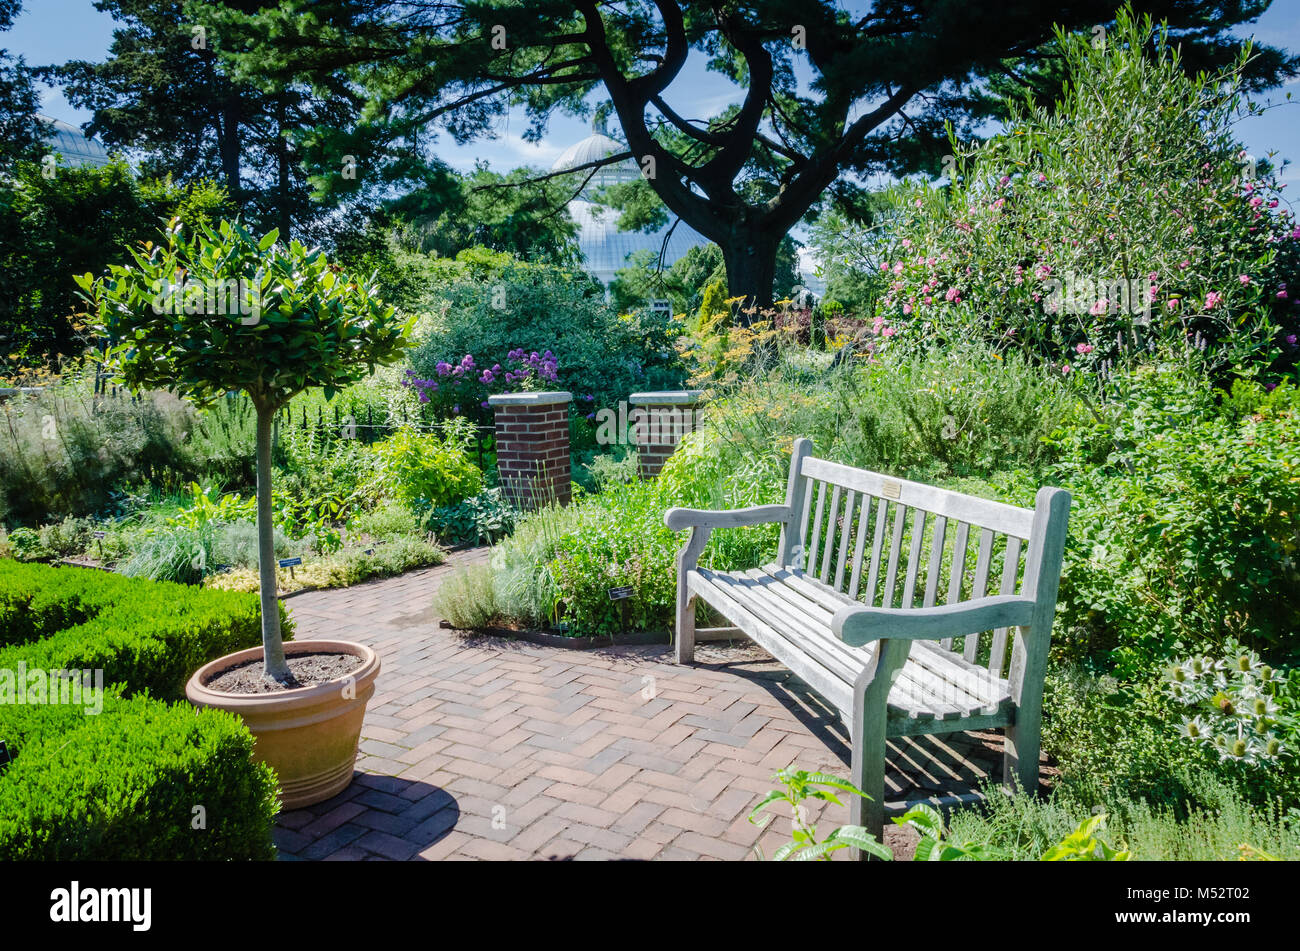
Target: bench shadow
pixel 916 767
pixel 376 818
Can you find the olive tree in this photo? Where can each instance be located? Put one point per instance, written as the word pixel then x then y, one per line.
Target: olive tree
pixel 208 313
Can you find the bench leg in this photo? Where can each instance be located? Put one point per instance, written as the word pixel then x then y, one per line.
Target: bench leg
pixel 1024 735
pixel 1020 757
pixel 870 728
pixel 868 774
pixel 684 623
pixel 685 626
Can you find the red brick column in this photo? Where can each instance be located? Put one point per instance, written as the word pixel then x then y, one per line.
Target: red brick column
pixel 532 436
pixel 659 421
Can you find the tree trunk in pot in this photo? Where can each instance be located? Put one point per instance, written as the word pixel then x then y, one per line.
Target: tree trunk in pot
pixel 272 646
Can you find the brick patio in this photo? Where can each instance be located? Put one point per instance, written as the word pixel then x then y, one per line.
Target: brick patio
pixel 489 748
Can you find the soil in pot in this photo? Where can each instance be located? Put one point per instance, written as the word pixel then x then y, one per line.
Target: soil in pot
pixel 305 670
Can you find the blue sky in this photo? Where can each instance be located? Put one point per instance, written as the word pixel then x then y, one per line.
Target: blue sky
pixel 53 31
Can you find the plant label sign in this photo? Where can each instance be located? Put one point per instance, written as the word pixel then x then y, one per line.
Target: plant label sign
pixel 290 562
pixel 618 594
pixel 97 534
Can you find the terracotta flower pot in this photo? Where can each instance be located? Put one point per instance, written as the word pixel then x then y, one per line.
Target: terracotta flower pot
pixel 309 735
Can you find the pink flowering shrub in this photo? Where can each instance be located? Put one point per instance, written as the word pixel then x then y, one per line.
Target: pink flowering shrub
pixel 1125 217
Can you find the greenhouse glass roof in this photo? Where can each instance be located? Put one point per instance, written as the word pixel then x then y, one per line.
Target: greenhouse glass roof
pixel 76 149
pixel 604 247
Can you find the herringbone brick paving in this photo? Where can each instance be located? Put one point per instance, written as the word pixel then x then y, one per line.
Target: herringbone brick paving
pixel 490 748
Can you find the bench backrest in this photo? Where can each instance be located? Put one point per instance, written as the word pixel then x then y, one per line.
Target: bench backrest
pixel 897 544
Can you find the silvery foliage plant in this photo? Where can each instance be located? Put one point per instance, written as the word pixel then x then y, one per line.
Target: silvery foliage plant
pixel 1232 705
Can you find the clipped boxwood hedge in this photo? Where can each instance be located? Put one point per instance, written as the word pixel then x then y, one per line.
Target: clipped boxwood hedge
pixel 143 779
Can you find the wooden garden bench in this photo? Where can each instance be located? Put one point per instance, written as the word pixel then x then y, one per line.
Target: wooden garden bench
pixel 829 608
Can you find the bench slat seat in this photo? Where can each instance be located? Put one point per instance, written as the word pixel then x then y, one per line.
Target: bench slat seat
pixel 793 614
pixel 986 574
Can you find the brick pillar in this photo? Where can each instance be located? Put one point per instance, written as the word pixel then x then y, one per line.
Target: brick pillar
pixel 532 437
pixel 659 421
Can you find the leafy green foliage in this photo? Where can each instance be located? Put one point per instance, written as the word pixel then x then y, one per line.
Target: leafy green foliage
pixel 67 452
pixel 801 785
pixel 121 784
pixel 1082 845
pixel 19 99
pixel 147 635
pixel 307 324
pixel 184 107
pixel 429 469
pixel 78 220
pixel 484 518
pixel 936 843
pixel 208 506
pixel 598 353
pixel 519 213
pixel 1187 530
pixel 467 599
pixel 1025 828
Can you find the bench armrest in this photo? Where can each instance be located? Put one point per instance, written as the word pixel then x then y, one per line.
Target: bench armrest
pixel 679 518
pixel 856 626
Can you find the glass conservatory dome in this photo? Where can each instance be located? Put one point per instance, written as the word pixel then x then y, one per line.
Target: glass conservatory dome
pixel 604 247
pixel 76 149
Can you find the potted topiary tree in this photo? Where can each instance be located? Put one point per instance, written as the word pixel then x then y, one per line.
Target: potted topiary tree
pixel 202 315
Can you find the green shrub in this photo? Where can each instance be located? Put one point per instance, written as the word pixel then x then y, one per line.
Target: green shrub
pixel 389 520
pixel 1023 827
pixel 146 635
pixel 235 543
pixel 482 518
pixel 965 411
pixel 1187 533
pixel 38 600
pixel 126 785
pixel 423 467
pixel 608 468
pixel 599 353
pixel 467 599
pixel 70 537
pixel 558 565
pixel 139 778
pixel 26 545
pixel 1128 213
